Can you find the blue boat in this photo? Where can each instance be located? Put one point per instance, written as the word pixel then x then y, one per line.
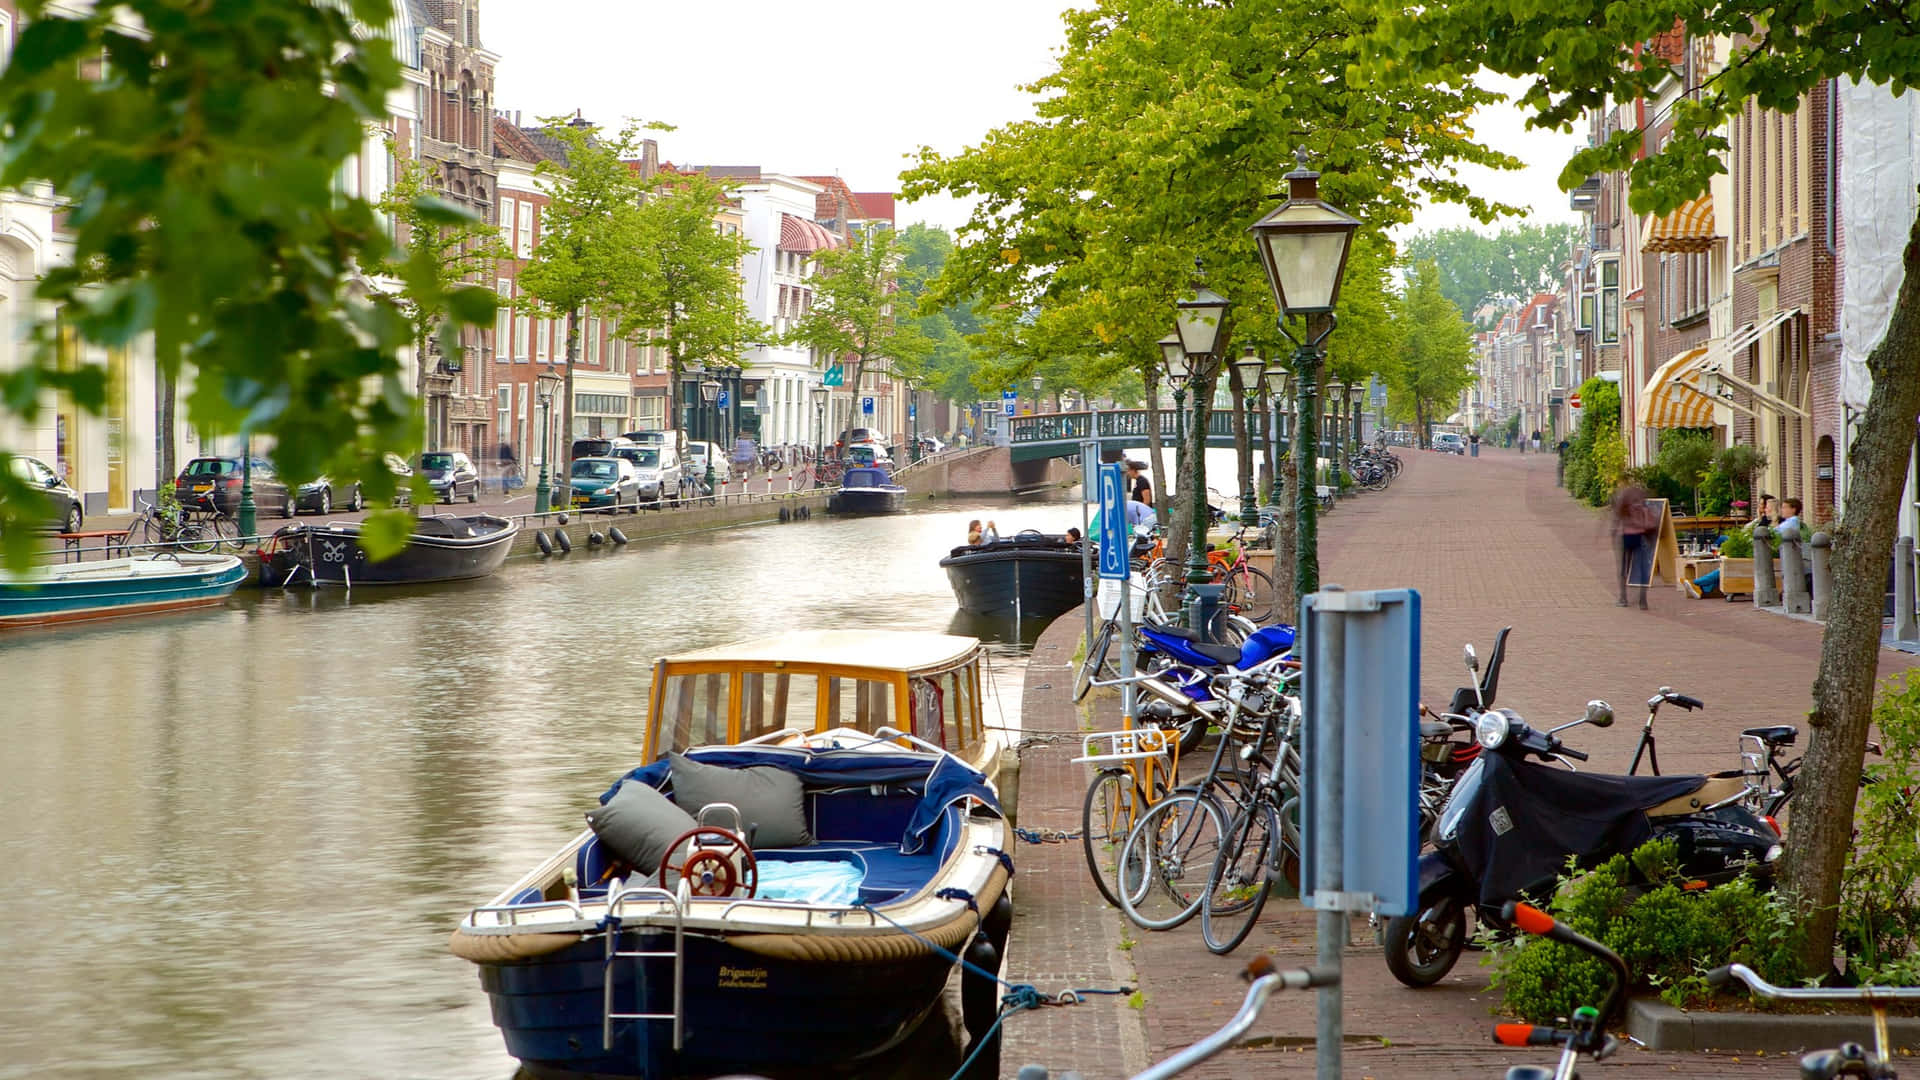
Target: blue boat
pixel 111 588
pixel 867 490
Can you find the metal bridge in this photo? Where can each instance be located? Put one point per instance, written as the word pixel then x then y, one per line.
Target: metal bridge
pixel 1051 435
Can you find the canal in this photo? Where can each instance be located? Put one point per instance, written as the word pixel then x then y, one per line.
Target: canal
pixel 234 842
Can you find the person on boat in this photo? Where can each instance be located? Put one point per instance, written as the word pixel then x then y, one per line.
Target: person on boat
pixel 973 531
pixel 1138 489
pixel 1073 536
pixel 991 533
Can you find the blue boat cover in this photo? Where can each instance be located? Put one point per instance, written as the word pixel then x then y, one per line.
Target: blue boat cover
pixel 866 478
pixel 947 782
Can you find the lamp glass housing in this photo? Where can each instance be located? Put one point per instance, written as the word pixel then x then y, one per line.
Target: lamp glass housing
pixel 1199 321
pixel 710 390
pixel 1303 247
pixel 1251 369
pixel 1277 376
pixel 1175 356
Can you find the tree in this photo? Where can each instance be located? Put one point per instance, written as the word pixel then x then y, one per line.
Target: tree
pixel 1435 360
pixel 952 359
pixel 197 163
pixel 590 239
pixel 854 296
pixel 1505 268
pixel 462 252
pixel 685 292
pixel 1581 57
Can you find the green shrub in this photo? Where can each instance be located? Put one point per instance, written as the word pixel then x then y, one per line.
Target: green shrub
pixel 1596 456
pixel 1668 936
pixel 1879 906
pixel 1738 544
pixel 1716 494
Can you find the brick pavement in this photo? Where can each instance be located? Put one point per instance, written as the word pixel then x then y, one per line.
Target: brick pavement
pixel 1488 541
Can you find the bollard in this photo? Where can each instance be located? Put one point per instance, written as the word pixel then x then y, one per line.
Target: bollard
pixel 1765 592
pixel 1793 572
pixel 1822 556
pixel 1905 626
pixel 1560 470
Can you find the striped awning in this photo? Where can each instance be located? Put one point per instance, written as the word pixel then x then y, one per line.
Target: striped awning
pixel 1689 228
pixel 1673 398
pixel 805 237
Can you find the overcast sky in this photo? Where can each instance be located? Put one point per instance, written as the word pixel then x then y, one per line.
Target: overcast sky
pixel 847 87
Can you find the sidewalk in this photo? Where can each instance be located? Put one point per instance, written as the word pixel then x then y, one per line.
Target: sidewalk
pixel 1488 542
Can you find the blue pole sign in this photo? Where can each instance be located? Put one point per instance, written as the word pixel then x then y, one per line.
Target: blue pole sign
pixel 1113 523
pixel 722 400
pixel 866 405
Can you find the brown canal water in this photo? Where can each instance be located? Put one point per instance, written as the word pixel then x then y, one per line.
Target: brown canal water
pixel 233 842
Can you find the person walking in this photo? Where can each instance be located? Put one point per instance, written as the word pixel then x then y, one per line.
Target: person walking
pixel 1633 523
pixel 1138 488
pixel 1536 440
pixel 1473 443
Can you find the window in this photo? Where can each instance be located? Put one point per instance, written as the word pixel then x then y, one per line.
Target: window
pixel 1609 301
pixel 503 409
pixel 593 342
pixel 651 414
pixel 771 701
pixel 559 330
pixel 521 413
pixel 695 710
pixel 542 342
pixel 509 206
pixel 503 321
pixel 524 248
pixel 520 354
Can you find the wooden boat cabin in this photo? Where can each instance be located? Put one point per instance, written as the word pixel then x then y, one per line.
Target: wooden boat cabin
pixel 923 684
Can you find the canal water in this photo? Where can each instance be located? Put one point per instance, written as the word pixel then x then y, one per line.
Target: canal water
pixel 233 843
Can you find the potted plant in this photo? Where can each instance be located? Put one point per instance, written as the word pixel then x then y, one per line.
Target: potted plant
pixel 1736 562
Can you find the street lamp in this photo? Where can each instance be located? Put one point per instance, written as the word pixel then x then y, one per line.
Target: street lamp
pixel 819 393
pixel 1357 397
pixel 1276 394
pixel 1175 359
pixel 913 418
pixel 1251 368
pixel 1198 321
pixel 1336 401
pixel 710 393
pixel 545 385
pixel 246 509
pixel 1303 248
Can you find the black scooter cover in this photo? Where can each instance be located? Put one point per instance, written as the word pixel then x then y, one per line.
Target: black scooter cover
pixel 1526 819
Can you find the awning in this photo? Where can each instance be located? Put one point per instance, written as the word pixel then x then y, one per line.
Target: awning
pixel 1673 398
pixel 797 234
pixel 1689 228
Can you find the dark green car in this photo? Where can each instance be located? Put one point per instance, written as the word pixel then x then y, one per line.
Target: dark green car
pixel 604 483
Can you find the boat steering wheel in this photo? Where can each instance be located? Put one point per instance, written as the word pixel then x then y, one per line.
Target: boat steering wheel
pixel 1035 533
pixel 711 869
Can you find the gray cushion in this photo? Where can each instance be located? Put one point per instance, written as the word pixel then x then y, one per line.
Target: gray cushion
pixel 772 802
pixel 638 824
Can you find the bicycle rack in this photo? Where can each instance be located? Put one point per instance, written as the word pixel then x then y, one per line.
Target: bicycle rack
pixel 1120 747
pixel 678 903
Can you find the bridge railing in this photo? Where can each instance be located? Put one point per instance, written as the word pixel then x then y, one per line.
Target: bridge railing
pixel 1120 425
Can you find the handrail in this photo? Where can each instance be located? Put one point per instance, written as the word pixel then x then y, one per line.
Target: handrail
pixel 514 911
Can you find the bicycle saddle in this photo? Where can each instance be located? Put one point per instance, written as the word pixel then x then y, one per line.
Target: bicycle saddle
pixel 1851 1059
pixel 1435 729
pixel 1779 735
pixel 1529 1072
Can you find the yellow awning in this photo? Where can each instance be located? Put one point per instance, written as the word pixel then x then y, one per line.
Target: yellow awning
pixel 1689 228
pixel 1673 398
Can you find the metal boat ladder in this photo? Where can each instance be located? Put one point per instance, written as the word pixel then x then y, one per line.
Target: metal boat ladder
pixel 678 954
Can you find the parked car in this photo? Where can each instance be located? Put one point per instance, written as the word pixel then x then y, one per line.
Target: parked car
pixel 646 438
pixel 604 483
pixel 861 435
pixel 451 473
pixel 656 468
pixel 931 444
pixel 868 454
pixel 694 465
pixel 317 495
pixel 209 483
pixel 56 505
pixel 402 479
pixel 1449 442
pixel 597 446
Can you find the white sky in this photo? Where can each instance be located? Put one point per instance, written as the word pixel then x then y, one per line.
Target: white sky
pixel 847 87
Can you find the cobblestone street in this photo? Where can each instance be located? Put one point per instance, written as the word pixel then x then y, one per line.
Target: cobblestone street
pixel 1488 542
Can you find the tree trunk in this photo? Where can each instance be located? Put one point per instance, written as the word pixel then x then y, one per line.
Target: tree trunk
pixel 1850 649
pixel 1286 605
pixel 1192 481
pixel 1156 447
pixel 573 360
pixel 1242 437
pixel 167 430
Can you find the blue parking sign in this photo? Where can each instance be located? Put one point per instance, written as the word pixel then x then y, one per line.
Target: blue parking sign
pixel 1113 523
pixel 866 405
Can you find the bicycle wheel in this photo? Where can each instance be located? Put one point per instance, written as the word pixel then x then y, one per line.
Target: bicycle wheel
pixel 1250 589
pixel 227 531
pixel 1237 884
pixel 1164 867
pixel 144 531
pixel 1094 664
pixel 197 538
pixel 1114 802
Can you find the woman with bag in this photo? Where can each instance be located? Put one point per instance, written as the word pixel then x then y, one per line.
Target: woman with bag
pixel 1635 525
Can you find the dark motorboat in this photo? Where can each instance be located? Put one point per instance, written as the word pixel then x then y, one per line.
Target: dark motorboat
pixel 1030 576
pixel 868 490
pixel 441 548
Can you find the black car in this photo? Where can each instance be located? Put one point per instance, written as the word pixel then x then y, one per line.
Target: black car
pixel 323 495
pixel 56 505
pixel 451 474
pixel 210 483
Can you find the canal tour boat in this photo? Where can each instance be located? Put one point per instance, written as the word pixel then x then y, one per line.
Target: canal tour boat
pixel 868 490
pixel 783 888
pixel 1028 576
pixel 110 588
pixel 441 547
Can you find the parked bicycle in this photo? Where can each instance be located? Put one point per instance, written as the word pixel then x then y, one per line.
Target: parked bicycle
pixel 196 529
pixel 1849 1058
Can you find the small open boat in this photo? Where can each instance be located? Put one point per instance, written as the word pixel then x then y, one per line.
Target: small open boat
pixel 778 910
pixel 442 547
pixel 1029 576
pixel 867 490
pixel 111 588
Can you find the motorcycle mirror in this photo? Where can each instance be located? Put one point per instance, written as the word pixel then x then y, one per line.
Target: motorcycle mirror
pixel 1599 714
pixel 1473 658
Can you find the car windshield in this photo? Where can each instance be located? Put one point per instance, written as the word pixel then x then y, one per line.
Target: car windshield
pixel 593 470
pixel 696 452
pixel 436 461
pixel 212 467
pixel 646 457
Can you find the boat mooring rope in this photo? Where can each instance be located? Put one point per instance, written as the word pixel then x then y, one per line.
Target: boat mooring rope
pixel 1018 996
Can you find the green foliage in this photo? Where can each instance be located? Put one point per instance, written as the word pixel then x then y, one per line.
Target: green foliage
pixel 1680 466
pixel 684 294
pixel 1506 267
pixel 1667 935
pixel 854 292
pixel 1738 463
pixel 1879 904
pixel 1596 455
pixel 1434 361
pixel 196 151
pixel 1716 494
pixel 1738 544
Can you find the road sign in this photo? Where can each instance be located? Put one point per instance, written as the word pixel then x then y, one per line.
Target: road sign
pixel 835 376
pixel 1009 406
pixel 1573 399
pixel 1113 523
pixel 913 412
pixel 722 400
pixel 866 405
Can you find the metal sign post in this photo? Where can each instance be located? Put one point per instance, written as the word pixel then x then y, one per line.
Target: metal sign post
pixel 1115 565
pixel 1089 486
pixel 1361 752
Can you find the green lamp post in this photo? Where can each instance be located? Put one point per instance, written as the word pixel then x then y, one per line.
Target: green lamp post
pixel 545 385
pixel 1357 406
pixel 1251 369
pixel 819 394
pixel 1277 376
pixel 1198 321
pixel 247 511
pixel 1303 247
pixel 710 394
pixel 1335 420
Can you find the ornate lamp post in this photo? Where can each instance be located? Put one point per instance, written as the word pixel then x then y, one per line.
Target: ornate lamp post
pixel 545 384
pixel 1252 369
pixel 246 509
pixel 819 394
pixel 1357 399
pixel 1303 247
pixel 1336 401
pixel 1198 322
pixel 913 418
pixel 710 393
pixel 1277 376
pixel 1175 360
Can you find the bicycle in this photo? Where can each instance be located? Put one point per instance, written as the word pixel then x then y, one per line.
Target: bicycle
pixel 1588 1033
pixel 1263 839
pixel 1250 590
pixel 1136 765
pixel 1849 1058
pixel 197 529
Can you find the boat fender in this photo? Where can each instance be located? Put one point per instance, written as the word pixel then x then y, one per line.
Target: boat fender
pixel 979 993
pixel 619 538
pixel 562 541
pixel 784 516
pixel 595 538
pixel 543 542
pixel 561 517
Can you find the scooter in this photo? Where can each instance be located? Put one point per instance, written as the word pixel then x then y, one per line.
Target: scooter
pixel 1511 823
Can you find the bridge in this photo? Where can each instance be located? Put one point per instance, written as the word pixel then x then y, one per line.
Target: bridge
pixel 1053 435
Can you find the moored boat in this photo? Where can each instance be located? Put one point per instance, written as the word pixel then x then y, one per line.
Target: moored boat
pixel 1029 576
pixel 442 547
pixel 867 490
pixel 767 895
pixel 110 588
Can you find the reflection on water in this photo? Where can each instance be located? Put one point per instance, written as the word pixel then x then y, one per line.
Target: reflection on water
pixel 236 840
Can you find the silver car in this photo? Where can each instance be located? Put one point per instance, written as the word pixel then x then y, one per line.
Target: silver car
pixel 656 466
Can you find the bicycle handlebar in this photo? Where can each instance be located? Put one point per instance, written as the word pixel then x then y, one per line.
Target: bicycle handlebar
pixel 1540 924
pixel 1266 979
pixel 1722 977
